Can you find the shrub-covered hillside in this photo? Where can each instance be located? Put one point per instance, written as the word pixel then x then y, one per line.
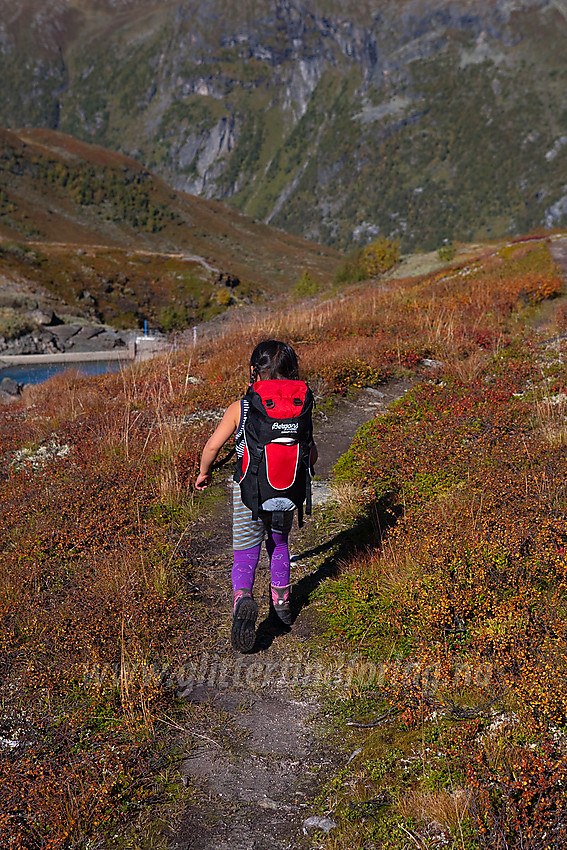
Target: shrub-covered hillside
pixel 457 612
pixel 104 238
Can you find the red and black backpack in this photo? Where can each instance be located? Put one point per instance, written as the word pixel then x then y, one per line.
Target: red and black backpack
pixel 277 439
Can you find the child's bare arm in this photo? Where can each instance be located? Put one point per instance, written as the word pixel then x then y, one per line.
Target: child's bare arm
pixel 225 429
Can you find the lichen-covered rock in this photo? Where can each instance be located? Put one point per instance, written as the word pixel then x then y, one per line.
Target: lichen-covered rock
pixel 10 387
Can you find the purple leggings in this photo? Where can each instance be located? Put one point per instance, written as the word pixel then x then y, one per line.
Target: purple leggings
pixel 246 561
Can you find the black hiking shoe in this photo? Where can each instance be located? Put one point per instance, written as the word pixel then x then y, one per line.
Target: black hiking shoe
pixel 245 613
pixel 279 597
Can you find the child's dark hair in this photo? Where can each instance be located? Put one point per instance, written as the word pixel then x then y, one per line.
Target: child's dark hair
pixel 273 359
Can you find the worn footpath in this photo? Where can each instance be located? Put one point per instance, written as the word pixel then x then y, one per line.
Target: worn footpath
pixel 260 748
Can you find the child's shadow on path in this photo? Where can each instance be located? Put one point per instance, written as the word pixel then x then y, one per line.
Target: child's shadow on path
pixel 368 532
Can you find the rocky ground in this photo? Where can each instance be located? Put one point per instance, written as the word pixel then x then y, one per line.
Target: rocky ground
pixel 55 337
pixel 33 321
pixel 260 745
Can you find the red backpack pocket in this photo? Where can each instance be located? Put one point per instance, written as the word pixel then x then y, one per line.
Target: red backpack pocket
pixel 245 460
pixel 282 462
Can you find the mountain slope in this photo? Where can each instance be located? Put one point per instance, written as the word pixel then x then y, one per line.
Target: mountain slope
pixel 425 120
pixel 76 219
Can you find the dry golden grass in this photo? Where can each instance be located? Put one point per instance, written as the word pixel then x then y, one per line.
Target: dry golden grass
pixel 349 497
pixel 551 413
pixel 93 571
pixel 442 809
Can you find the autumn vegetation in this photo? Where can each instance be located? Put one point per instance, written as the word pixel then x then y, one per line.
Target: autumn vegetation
pixel 94 235
pixel 461 603
pixel 374 259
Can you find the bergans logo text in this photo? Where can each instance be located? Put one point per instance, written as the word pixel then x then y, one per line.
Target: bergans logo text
pixel 284 426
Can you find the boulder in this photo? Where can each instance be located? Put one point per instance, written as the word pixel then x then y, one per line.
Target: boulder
pixel 40 317
pixel 94 338
pixel 88 332
pixel 64 332
pixel 10 386
pixel 104 341
pixel 45 317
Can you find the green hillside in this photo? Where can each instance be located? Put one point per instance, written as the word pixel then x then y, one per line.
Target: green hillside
pixel 427 121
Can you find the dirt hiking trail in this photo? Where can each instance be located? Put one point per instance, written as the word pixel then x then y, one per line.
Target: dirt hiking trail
pixel 260 746
pixel 260 749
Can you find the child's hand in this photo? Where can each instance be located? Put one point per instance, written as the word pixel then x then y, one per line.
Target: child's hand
pixel 203 480
pixel 226 427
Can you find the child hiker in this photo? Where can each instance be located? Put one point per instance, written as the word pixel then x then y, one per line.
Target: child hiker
pixel 275 455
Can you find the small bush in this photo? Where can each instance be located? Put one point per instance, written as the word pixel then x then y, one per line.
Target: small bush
pixel 350 374
pixel 351 270
pixel 306 286
pixel 224 297
pixel 447 252
pixel 380 256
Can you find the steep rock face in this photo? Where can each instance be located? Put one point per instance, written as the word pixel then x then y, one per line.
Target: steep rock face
pixel 337 120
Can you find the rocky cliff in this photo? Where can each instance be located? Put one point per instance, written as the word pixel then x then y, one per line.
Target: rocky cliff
pixel 431 121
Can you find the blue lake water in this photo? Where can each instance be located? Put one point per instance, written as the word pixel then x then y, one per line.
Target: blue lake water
pixel 40 372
